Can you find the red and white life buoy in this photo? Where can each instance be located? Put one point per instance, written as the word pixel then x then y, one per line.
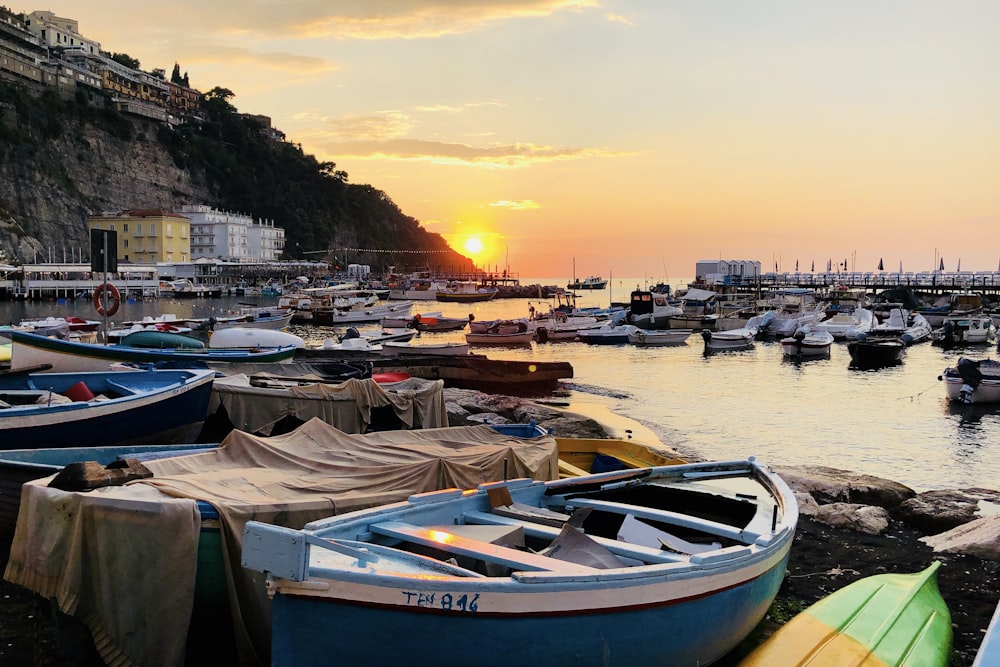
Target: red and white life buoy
pixel 113 295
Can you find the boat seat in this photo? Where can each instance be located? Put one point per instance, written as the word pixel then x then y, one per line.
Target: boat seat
pixel 625 549
pixel 668 517
pixel 463 546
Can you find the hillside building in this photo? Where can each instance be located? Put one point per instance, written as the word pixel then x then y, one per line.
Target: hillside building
pixel 147 235
pixel 234 237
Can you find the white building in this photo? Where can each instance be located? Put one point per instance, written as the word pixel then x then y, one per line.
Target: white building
pixel 233 237
pixel 55 31
pixel 727 271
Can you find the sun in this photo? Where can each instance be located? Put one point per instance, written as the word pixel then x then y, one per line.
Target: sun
pixel 474 245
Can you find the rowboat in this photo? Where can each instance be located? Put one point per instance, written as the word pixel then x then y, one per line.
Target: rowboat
pixel 885 619
pixel 646 338
pixel 31 350
pixel 103 408
pixel 573 571
pixel 447 348
pixel 989 650
pixel 872 353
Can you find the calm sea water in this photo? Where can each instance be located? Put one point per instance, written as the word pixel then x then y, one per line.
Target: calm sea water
pixel 894 423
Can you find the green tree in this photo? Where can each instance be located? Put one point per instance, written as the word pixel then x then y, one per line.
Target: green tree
pixel 125 59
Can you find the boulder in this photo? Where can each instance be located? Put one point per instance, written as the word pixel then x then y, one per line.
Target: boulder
pixel 868 519
pixel 979 538
pixel 832 485
pixel 487 418
pixel 939 511
pixel 574 426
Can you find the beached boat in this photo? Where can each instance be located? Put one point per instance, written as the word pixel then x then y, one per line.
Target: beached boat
pixel 805 343
pixel 466 291
pixel 584 456
pixel 576 570
pixel 872 353
pixel 31 351
pixel 971 381
pixel 647 338
pixel 890 620
pixel 103 408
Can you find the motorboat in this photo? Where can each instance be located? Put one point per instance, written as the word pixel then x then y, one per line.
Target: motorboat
pixel 655 338
pixel 438 322
pixel 794 308
pixel 608 334
pixel 908 325
pixel 807 343
pixel 971 381
pixel 651 310
pixel 976 329
pixel 466 291
pixel 733 340
pixel 838 325
pixel 502 332
pixel 588 283
pixel 873 353
pixel 445 348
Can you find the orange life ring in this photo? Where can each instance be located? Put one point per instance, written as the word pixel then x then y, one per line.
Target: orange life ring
pixel 113 294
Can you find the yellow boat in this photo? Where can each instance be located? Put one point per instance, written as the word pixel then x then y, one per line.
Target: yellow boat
pixel 5 352
pixel 582 456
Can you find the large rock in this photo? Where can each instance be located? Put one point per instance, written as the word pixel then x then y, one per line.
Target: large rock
pixel 979 538
pixel 868 519
pixel 938 511
pixel 832 485
pixel 467 406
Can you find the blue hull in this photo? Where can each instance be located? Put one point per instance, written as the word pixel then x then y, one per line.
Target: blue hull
pixel 692 632
pixel 174 419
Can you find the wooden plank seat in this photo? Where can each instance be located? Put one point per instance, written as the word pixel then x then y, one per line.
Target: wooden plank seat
pixel 625 549
pixel 463 546
pixel 668 517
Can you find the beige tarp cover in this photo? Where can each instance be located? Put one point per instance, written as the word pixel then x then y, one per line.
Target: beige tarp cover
pixel 418 403
pixel 123 559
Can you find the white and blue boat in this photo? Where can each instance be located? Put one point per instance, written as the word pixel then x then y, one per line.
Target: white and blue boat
pixel 668 565
pixel 103 408
pixel 30 351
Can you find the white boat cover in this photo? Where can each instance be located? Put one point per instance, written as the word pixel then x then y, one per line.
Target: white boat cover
pixel 418 403
pixel 123 559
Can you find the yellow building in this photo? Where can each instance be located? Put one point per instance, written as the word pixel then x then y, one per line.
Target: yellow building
pixel 147 236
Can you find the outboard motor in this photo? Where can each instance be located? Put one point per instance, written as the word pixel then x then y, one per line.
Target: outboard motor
pixel 351 332
pixel 948 332
pixel 971 376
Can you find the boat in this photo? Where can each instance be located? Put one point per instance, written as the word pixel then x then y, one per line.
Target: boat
pixel 960 330
pixel 898 322
pixel 584 456
pixel 956 304
pixel 872 353
pixel 651 310
pixel 574 571
pixel 647 338
pixel 192 510
pixel 699 311
pixel 885 619
pixel 414 288
pixel 465 291
pixel 858 320
pixel 103 408
pixel 971 381
pixel 446 348
pixel 241 338
pixel 58 326
pixel 184 288
pixel 607 334
pixel 502 332
pixel 734 340
pixel 360 312
pixel 438 322
pixel 254 318
pixel 989 651
pixel 154 339
pixel 807 343
pixel 588 283
pixel 795 307
pixel 31 350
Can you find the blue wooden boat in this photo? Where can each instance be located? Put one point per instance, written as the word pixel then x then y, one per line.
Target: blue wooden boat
pixel 138 407
pixel 669 565
pixel 31 350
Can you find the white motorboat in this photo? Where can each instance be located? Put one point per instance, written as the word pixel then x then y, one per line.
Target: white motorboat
pixel 647 338
pixel 651 310
pixel 446 348
pixel 859 320
pixel 807 343
pixel 736 339
pixel 959 330
pixel 908 325
pixel 971 381
pixel 795 308
pixel 607 334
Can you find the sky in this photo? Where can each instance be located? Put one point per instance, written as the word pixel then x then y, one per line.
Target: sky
pixel 624 138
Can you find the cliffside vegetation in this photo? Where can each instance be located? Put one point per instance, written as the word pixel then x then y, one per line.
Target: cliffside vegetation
pixel 62 158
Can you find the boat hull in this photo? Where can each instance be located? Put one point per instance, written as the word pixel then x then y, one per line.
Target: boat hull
pixel 30 351
pixel 699 624
pixel 175 414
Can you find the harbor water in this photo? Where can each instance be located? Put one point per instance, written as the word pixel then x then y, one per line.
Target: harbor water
pixel 894 422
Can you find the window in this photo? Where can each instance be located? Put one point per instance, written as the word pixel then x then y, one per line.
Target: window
pixel 125 242
pixel 138 229
pixel 152 228
pixel 124 226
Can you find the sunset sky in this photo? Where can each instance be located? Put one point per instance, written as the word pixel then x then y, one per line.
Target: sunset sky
pixel 636 137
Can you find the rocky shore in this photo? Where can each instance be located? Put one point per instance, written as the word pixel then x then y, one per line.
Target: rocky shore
pixel 851 526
